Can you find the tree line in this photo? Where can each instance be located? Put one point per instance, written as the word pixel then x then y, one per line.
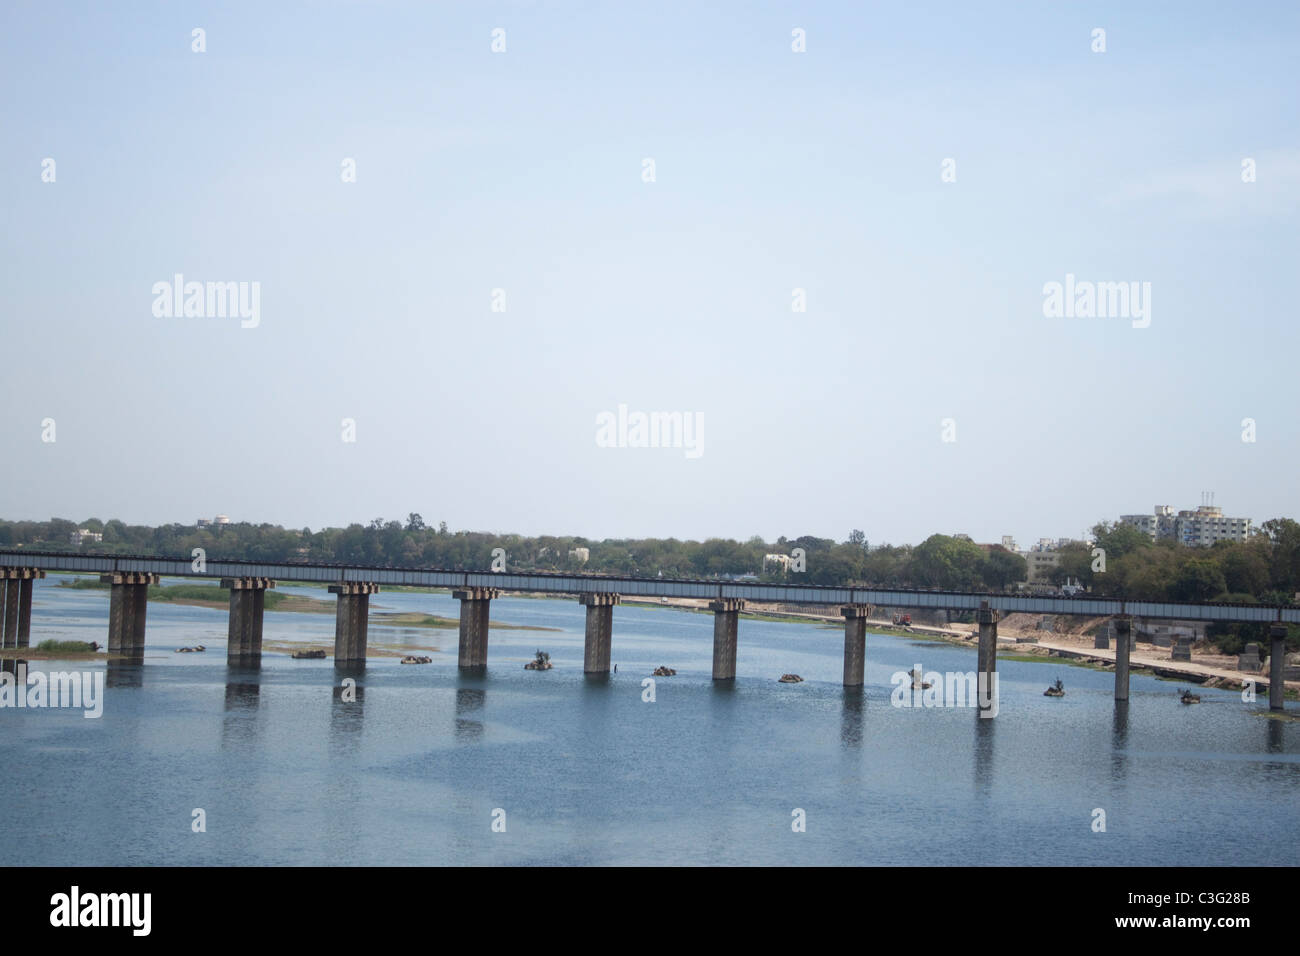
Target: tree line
pixel 1122 562
pixel 940 561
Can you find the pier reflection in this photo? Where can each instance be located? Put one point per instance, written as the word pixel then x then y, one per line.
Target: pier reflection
pixel 347 712
pixel 1276 735
pixel 596 703
pixel 242 696
pixel 125 673
pixel 1119 742
pixel 851 716
pixel 240 724
pixel 469 706
pixel 984 753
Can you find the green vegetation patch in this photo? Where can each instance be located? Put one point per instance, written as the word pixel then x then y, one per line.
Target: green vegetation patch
pixel 65 647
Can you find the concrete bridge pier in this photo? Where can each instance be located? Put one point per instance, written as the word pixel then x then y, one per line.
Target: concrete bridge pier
pixel 855 643
pixel 128 605
pixel 9 602
pixel 16 605
pixel 351 620
pixel 1123 644
pixel 1276 665
pixel 475 604
pixel 726 617
pixel 600 628
pixel 244 636
pixel 986 673
pixel 25 605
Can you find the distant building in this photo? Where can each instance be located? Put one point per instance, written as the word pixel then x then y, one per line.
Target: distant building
pixel 221 519
pixel 1199 528
pixel 1041 564
pixel 1009 542
pixel 582 554
pixel 202 523
pixel 80 535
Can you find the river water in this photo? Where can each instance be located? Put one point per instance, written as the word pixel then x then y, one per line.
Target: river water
pixel 581 771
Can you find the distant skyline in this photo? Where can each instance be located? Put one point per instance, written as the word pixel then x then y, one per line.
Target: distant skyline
pixel 837 266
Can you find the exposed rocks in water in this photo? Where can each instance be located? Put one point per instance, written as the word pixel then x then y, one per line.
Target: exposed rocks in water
pixel 308 655
pixel 791 679
pixel 917 682
pixel 542 662
pixel 196 649
pixel 1056 690
pixel 664 672
pixel 1190 698
pixel 412 659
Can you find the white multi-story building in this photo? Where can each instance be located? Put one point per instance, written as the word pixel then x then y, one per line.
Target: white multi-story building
pixel 1199 528
pixel 81 534
pixel 1207 524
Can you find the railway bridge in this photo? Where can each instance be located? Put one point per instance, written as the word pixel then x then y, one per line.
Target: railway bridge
pixel 129 578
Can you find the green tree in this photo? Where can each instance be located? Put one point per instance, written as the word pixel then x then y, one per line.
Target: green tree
pixel 1199 579
pixel 1002 568
pixel 1283 536
pixel 941 561
pixel 1245 567
pixel 1119 539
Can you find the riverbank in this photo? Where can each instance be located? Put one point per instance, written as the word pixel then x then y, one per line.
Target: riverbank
pixel 1019 638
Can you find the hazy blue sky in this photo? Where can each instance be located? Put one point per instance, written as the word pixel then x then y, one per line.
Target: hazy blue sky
pixel 774 170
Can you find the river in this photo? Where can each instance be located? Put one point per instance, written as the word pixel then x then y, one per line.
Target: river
pixel 579 771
